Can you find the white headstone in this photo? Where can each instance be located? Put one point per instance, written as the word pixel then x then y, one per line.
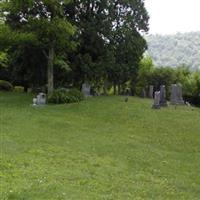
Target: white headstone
pixel 41 99
pixel 156 104
pixel 86 88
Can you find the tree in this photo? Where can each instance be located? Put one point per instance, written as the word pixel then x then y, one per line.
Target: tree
pixel 46 21
pixel 108 37
pixel 109 28
pixel 146 69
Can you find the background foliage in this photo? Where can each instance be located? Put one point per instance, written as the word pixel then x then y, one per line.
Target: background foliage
pixel 175 50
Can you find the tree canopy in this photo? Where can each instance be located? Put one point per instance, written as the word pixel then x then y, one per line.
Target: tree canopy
pixel 73 41
pixel 175 50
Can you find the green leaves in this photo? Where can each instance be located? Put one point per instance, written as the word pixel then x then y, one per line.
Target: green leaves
pixel 3 59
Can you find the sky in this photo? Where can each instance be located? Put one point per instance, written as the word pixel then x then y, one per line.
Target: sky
pixel 172 16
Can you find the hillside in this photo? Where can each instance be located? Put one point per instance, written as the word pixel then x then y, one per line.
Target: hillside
pixel 101 148
pixel 174 50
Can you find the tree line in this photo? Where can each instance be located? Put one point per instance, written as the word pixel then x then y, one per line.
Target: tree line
pixel 62 43
pixel 149 74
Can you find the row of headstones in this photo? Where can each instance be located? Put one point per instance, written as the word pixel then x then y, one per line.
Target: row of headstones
pixel 40 99
pixel 176 97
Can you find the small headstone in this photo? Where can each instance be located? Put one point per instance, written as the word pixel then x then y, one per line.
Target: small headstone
pixel 34 101
pixel 151 91
pixel 176 95
pixel 163 101
pixel 40 100
pixel 86 88
pixel 156 104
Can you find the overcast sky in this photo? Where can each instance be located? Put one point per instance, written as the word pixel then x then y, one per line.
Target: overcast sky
pixel 172 16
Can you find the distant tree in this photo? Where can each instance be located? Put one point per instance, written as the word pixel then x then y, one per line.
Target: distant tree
pixel 175 50
pixel 108 29
pixel 145 71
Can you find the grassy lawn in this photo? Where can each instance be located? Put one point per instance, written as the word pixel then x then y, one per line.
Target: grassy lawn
pixel 99 149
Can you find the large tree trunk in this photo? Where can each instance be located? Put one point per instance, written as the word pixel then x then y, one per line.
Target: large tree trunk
pixel 50 58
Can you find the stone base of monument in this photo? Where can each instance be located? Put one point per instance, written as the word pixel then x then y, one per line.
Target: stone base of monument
pixel 156 107
pixel 177 102
pixel 163 104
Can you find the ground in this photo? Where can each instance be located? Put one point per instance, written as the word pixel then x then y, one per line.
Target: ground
pixel 99 149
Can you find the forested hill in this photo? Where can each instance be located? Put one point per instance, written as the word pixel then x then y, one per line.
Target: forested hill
pixel 174 50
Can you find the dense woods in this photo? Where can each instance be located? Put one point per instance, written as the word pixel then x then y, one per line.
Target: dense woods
pixel 175 50
pixel 65 43
pixel 62 44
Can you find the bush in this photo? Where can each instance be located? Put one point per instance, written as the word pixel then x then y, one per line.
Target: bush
pixel 194 100
pixel 19 89
pixel 61 96
pixel 5 85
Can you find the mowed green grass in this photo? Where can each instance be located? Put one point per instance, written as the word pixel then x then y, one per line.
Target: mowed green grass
pixel 99 149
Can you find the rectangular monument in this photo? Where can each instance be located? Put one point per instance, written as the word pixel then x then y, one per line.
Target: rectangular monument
pixel 176 95
pixel 151 91
pixel 163 101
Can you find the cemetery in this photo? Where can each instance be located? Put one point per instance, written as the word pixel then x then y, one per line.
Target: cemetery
pixel 85 112
pixel 99 148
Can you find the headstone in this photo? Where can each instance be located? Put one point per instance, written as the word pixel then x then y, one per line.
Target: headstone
pixel 156 104
pixel 180 95
pixel 86 88
pixel 151 91
pixel 176 95
pixel 163 101
pixel 40 100
pixel 143 93
pixel 173 97
pixel 34 101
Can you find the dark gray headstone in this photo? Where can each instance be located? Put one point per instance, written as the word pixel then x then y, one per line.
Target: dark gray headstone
pixel 163 101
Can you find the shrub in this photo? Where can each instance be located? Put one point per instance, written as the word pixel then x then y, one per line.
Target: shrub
pixel 194 100
pixel 5 85
pixel 75 95
pixel 19 89
pixel 61 96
